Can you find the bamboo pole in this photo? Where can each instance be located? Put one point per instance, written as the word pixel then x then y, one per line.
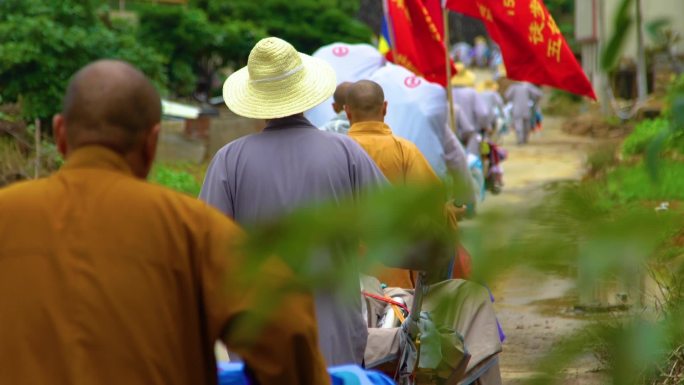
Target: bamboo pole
pixel 37 137
pixel 450 96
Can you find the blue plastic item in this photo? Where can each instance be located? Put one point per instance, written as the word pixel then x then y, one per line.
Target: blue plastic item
pixel 233 374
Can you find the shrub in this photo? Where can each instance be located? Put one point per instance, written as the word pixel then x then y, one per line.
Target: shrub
pixel 561 103
pixel 176 179
pixel 634 183
pixel 644 133
pixel 675 90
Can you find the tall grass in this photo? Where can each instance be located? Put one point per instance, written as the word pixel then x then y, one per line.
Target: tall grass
pixel 12 160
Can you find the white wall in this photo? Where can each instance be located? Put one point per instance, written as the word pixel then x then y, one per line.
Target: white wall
pixel 672 10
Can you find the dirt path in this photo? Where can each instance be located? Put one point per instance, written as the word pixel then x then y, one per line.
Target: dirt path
pixel 534 307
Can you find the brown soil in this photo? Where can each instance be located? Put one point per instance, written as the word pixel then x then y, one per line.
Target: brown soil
pixel 536 309
pixel 595 126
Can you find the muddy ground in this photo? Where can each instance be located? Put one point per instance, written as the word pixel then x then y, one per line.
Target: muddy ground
pixel 535 308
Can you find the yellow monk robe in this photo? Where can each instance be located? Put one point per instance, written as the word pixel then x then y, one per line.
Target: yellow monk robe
pixel 107 279
pixel 401 162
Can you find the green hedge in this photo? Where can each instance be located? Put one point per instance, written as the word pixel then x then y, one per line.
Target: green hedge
pixel 176 179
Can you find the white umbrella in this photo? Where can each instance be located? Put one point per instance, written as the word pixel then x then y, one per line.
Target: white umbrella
pixel 351 62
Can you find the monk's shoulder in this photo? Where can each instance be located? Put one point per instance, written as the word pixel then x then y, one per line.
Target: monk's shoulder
pixel 150 191
pixel 408 146
pixel 23 192
pixel 346 141
pixel 182 206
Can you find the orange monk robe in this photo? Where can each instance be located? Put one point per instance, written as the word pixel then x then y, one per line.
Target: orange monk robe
pixel 401 162
pixel 107 279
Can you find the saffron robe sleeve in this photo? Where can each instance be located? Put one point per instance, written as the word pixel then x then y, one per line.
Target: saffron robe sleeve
pixel 245 305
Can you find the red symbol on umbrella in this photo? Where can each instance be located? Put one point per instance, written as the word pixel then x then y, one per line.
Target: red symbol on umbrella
pixel 340 51
pixel 412 81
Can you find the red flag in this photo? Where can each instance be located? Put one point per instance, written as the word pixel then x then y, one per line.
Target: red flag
pixel 418 43
pixel 532 45
pixel 434 8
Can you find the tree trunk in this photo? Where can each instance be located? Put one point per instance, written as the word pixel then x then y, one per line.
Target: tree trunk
pixel 642 83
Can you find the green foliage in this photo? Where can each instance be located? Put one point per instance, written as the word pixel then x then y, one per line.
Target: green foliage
pixel 560 6
pixel 623 22
pixel 606 229
pixel 180 48
pixel 675 92
pixel 634 184
pixel 652 137
pixel 644 133
pixel 672 138
pixel 655 28
pixel 385 231
pixel 176 178
pixel 45 42
pixel 563 11
pixel 306 24
pixel 193 45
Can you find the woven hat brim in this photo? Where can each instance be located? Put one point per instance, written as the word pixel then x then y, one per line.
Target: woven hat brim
pixel 292 95
pixel 481 87
pixel 465 78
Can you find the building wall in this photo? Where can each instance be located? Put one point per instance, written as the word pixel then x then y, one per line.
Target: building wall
pixel 175 145
pixel 593 31
pixel 672 10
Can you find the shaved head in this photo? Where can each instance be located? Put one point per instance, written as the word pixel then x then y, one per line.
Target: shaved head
pixel 110 103
pixel 366 101
pixel 340 96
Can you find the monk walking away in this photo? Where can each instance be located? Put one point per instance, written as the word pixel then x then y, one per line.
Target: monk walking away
pixel 523 97
pixel 107 279
pixel 399 160
pixel 340 123
pixel 292 164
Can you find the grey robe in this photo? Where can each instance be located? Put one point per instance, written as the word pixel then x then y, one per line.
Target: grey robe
pixel 520 95
pixel 457 162
pixel 495 105
pixel 288 165
pixel 473 107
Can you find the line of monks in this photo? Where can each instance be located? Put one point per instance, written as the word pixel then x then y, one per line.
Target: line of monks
pixel 108 279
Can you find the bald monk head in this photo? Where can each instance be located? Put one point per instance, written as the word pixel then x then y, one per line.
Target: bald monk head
pixel 111 104
pixel 365 102
pixel 340 97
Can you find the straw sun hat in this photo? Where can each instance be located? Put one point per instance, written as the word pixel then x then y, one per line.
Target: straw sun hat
pixel 487 85
pixel 278 82
pixel 464 77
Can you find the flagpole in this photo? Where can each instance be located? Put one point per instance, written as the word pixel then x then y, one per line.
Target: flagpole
pixel 450 96
pixel 390 30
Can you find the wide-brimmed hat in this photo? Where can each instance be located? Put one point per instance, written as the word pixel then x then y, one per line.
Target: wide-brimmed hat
pixel 501 70
pixel 464 77
pixel 278 81
pixel 487 85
